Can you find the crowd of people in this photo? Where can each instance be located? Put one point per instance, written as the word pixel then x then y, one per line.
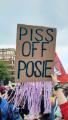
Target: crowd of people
pixel 59 105
pixel 62 99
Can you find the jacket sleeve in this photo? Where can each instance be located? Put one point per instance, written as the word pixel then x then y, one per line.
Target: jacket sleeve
pixel 64 110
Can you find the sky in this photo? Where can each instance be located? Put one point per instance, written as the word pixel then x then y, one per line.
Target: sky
pixel 51 13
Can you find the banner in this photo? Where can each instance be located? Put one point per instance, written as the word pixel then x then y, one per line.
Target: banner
pixel 35 48
pixel 59 70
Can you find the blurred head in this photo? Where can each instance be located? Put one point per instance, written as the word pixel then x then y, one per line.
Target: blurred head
pixel 10 94
pixel 65 89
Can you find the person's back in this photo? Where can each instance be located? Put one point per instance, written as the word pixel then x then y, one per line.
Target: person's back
pixel 57 111
pixel 13 113
pixel 3 109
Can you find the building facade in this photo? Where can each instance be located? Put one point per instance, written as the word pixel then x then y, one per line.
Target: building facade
pixel 8 55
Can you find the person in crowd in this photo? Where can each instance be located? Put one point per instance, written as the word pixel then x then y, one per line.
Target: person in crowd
pixel 43 116
pixel 57 111
pixel 53 103
pixel 3 108
pixel 23 108
pixel 65 90
pixel 13 112
pixel 62 100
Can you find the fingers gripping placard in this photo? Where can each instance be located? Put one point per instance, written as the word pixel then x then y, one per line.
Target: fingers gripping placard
pixel 35 47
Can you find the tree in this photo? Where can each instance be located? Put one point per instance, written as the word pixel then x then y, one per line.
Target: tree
pixel 5 74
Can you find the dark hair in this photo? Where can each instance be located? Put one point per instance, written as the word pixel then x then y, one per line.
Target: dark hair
pixel 10 94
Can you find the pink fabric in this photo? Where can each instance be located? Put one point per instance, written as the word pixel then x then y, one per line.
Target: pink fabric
pixel 32 91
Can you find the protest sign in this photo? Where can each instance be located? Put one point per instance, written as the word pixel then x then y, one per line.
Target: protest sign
pixel 35 48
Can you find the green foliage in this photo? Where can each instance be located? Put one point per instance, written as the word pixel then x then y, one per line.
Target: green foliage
pixel 5 74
